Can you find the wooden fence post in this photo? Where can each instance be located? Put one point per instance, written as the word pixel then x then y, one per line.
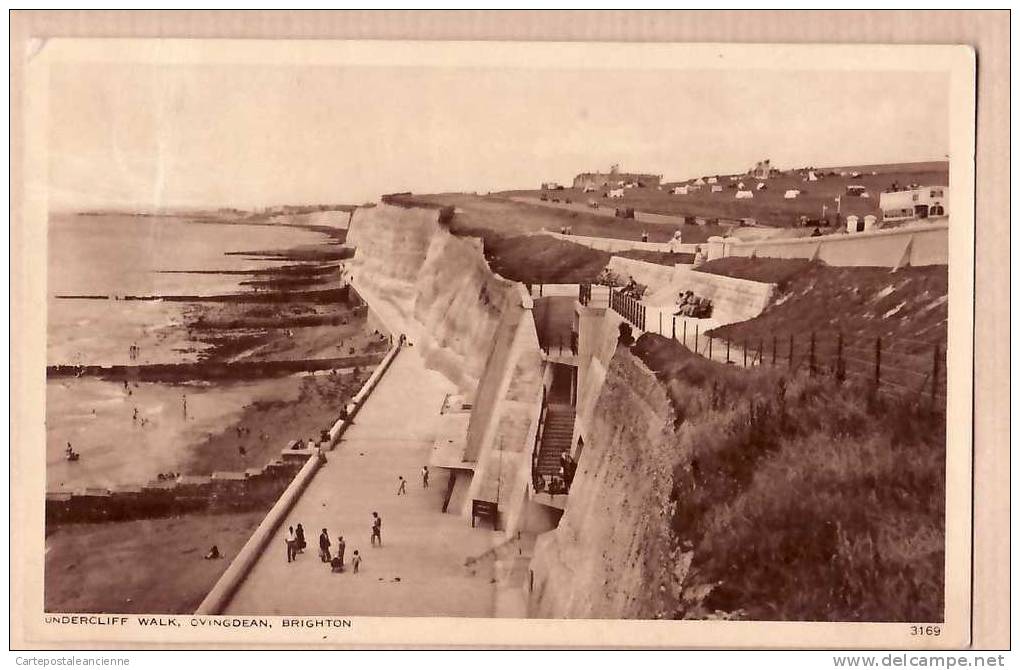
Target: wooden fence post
pixel 695 338
pixel 709 348
pixel 674 326
pixel 727 350
pixel 878 362
pixel 745 352
pixel 685 332
pixel 811 360
pixel 934 376
pixel 840 366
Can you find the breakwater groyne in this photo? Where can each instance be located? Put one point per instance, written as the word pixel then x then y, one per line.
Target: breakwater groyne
pixel 324 296
pixel 207 370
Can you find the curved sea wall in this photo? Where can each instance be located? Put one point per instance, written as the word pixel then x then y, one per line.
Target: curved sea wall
pixel 612 555
pixel 435 287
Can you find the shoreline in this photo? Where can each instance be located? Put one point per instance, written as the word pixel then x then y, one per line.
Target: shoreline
pixel 283 329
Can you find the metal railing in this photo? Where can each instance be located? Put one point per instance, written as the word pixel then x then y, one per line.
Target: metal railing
pixel 627 307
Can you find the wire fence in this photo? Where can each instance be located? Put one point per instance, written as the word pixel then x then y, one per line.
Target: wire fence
pixel 896 366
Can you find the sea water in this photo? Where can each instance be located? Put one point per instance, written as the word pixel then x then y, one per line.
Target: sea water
pixel 114 255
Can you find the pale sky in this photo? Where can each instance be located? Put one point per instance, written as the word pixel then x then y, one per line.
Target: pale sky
pixel 248 135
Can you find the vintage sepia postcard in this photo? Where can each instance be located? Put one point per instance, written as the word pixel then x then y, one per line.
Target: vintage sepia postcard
pixel 452 343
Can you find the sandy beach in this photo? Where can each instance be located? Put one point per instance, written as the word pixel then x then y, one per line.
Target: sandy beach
pixel 128 432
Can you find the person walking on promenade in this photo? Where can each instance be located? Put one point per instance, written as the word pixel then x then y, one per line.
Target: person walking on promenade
pixel 356 561
pixel 291 541
pixel 299 548
pixel 376 529
pixel 340 547
pixel 324 545
pixel 402 488
pixel 425 477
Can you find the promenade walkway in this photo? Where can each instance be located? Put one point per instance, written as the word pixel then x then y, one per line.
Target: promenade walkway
pixel 423 547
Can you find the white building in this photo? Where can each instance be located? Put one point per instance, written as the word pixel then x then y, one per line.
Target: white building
pixel 615 193
pixel 744 195
pixel 917 203
pixel 679 190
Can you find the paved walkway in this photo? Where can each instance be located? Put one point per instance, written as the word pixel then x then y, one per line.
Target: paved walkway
pixel 424 548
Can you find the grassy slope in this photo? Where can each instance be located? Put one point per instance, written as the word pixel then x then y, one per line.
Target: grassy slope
pixel 505 228
pixel 506 217
pixel 908 309
pixel 803 499
pixel 769 206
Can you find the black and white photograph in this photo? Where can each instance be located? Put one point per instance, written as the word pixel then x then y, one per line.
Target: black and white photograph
pixel 500 334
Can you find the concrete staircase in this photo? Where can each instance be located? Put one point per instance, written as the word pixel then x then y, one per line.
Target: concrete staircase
pixel 557 436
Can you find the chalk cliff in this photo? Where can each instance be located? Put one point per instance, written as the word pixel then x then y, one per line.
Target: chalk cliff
pixel 432 285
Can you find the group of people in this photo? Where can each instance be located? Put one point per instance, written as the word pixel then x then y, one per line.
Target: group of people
pixel 296 544
pixel 561 481
pixel 632 289
pixel 168 476
pixel 402 483
pixel 691 305
pixel 133 352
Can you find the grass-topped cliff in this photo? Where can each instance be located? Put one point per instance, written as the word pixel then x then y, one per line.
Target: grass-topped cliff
pixel 800 498
pixel 709 491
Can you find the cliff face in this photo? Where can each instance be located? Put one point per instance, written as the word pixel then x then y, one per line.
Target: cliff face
pixel 431 285
pixel 612 555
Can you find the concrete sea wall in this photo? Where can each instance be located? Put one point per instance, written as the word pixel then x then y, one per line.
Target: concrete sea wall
pixel 611 555
pixel 219 597
pixel 919 244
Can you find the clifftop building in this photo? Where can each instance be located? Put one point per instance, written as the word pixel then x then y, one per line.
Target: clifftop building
pixel 615 178
pixel 763 170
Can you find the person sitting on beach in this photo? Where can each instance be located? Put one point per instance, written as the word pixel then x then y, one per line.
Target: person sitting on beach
pixel 336 565
pixel 213 554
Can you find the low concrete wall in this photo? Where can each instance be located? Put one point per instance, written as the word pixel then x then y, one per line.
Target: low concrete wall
pixel 218 598
pixel 607 208
pixel 226 586
pixel 919 244
pixel 652 275
pixel 732 299
pixel 613 244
